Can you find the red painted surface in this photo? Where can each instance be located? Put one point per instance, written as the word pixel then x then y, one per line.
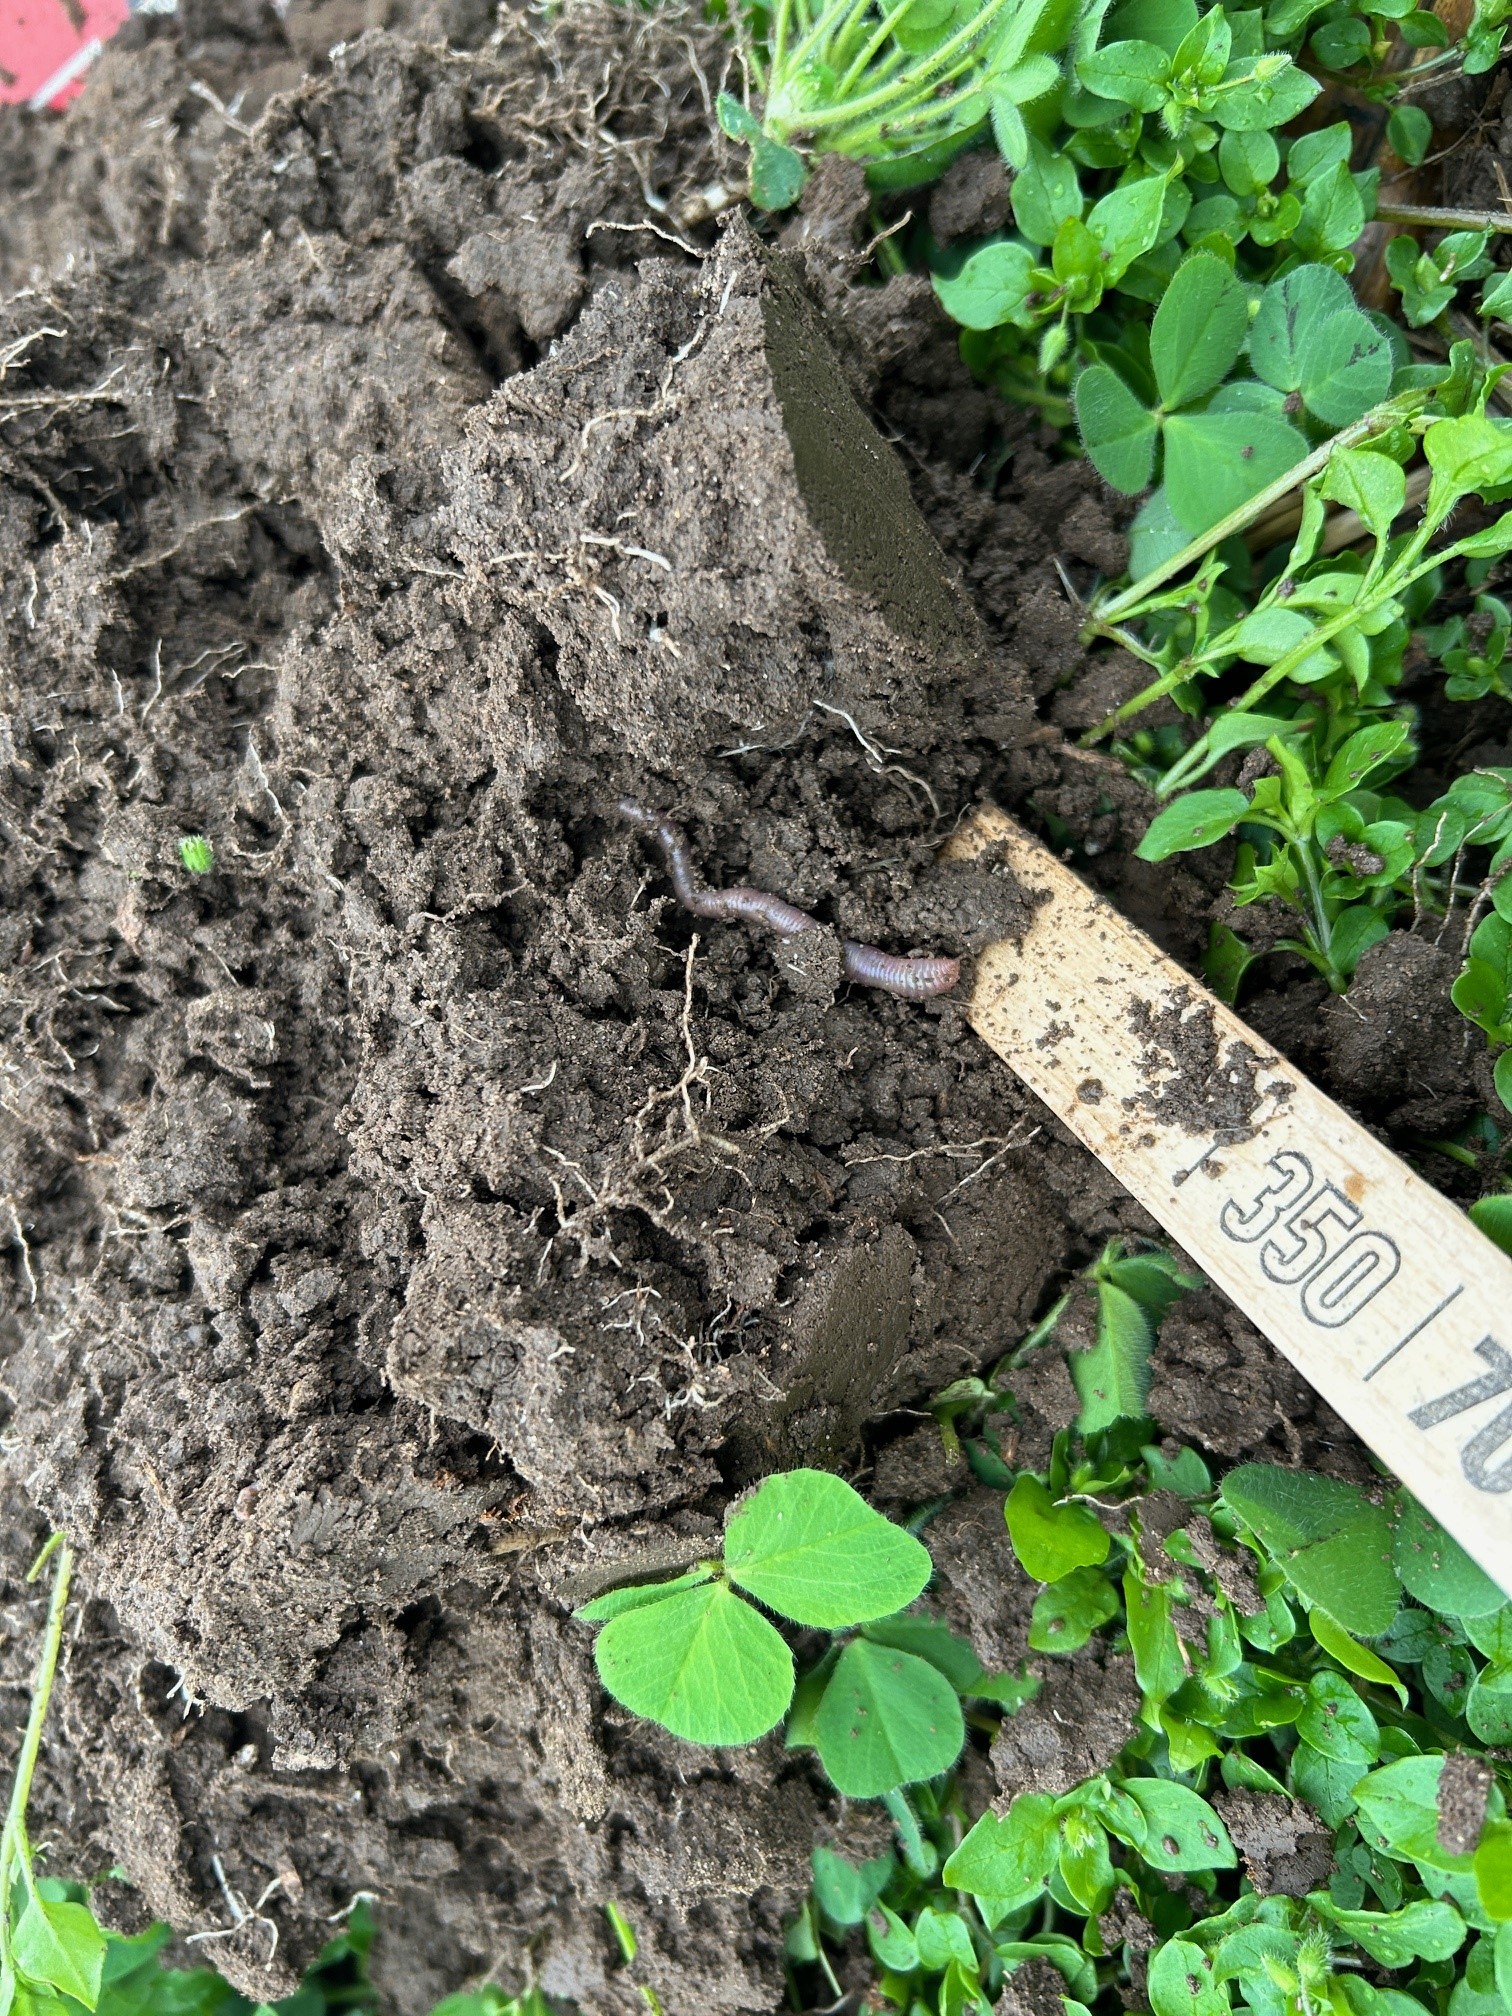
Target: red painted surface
pixel 46 46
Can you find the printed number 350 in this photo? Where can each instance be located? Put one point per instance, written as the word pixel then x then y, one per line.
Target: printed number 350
pixel 1307 1235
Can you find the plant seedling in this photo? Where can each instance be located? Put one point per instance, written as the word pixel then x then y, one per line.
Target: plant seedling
pixel 196 854
pixel 882 1707
pixel 1312 352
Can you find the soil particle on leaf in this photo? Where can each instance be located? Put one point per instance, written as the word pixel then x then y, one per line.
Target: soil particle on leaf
pixel 1034 1988
pixel 1286 1853
pixel 1463 1789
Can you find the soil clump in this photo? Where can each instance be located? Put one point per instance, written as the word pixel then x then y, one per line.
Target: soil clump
pixel 421 1215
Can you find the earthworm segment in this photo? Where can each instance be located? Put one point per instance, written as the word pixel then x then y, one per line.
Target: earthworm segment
pixel 865 965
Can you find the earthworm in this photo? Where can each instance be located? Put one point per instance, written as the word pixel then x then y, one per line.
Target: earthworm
pixel 865 965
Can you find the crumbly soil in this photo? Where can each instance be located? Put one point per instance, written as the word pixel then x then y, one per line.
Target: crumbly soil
pixel 416 1217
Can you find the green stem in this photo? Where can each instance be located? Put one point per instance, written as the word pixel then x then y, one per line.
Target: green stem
pixel 935 69
pixel 1238 520
pixel 15 1851
pixel 1431 218
pixel 871 46
pixel 910 1837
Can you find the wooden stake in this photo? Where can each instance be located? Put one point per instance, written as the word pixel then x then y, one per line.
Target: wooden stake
pixel 1377 1288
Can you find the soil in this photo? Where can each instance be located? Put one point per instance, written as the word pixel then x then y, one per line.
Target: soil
pixel 420 1216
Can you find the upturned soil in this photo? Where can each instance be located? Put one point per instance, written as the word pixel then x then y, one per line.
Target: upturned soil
pixel 420 1211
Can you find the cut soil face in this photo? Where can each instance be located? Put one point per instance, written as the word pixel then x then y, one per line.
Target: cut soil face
pixel 422 1212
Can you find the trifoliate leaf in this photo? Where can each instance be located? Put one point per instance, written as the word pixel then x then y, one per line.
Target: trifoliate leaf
pixel 887 1719
pixel 810 1548
pixel 701 1663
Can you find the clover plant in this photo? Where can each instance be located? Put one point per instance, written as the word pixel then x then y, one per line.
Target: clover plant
pixel 1313 355
pixel 882 1706
pixel 1328 1682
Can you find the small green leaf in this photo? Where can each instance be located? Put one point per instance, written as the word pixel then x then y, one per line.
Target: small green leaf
pixel 736 119
pixel 1198 330
pixel 701 1663
pixel 1118 432
pixel 196 854
pixel 1049 1539
pixel 1488 1706
pixel 810 1548
pixel 1181 1982
pixel 1371 485
pixel 1337 1722
pixel 991 288
pixel 1409 131
pixel 1185 1833
pixel 1492 1635
pixel 892 1944
pixel 887 1719
pixel 1067 1612
pixel 1422 1930
pixel 1196 819
pixel 777 175
pixel 1400 1812
pixel 941 1937
pixel 845 1893
pixel 1469 454
pixel 1132 73
pixel 615 1602
pixel 1493 1871
pixel 1046 193
pixel 1158 1663
pixel 1126 223
pixel 1333 1544
pixel 1290 308
pixel 1009 1858
pixel 61 1944
pixel 1435 1568
pixel 1493 1216
pixel 1112 1377
pixel 1353 1657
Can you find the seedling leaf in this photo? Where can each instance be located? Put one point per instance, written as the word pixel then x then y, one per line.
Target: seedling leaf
pixel 1214 462
pixel 1184 1832
pixel 1334 1545
pixel 1181 1982
pixel 1488 1706
pixel 887 1719
pixel 1400 1813
pixel 1008 1859
pixel 1049 1539
pixel 701 1663
pixel 1067 1612
pixel 812 1549
pixel 1435 1568
pixel 60 1944
pixel 1198 329
pixel 1196 819
pixel 1112 1378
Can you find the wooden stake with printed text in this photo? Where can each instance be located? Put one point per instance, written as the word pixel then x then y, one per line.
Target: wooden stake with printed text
pixel 1377 1288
